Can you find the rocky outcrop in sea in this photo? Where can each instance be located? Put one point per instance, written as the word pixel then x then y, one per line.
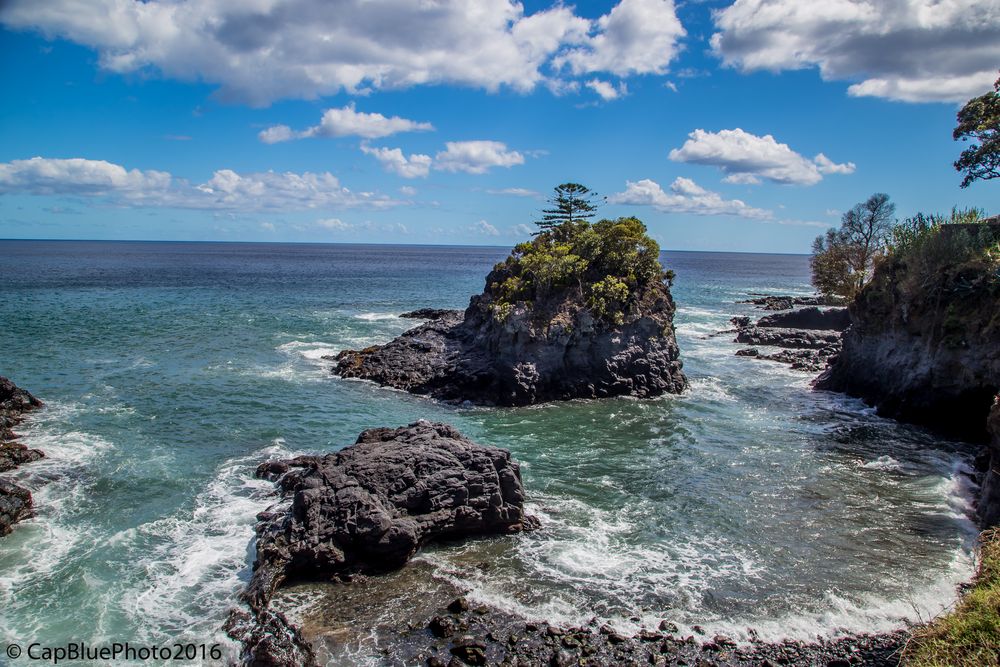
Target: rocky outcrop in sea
pixel 15 501
pixel 556 349
pixel 368 508
pixel 807 337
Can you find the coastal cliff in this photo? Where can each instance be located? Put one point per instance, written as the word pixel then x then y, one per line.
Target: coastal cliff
pixel 924 341
pixel 585 315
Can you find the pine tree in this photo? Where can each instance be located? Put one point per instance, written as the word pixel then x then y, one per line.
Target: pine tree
pixel 572 203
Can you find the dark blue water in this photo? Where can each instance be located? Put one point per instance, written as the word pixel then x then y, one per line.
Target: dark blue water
pixel 171 369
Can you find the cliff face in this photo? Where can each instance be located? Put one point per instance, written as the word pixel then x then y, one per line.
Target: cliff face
pixel 989 499
pixel 924 348
pixel 924 343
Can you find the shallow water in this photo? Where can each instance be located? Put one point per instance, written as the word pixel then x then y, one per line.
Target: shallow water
pixel 170 370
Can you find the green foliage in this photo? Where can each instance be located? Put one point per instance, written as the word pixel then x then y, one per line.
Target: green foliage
pixel 979 120
pixel 968 636
pixel 607 298
pixel 571 205
pixel 609 262
pixel 843 259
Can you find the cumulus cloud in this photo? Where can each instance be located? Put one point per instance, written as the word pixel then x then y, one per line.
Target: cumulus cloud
pixel 416 165
pixel 485 228
pixel 476 157
pixel 747 158
pixel 685 196
pixel 607 90
pixel 265 50
pixel 635 37
pixel 345 122
pixel 907 50
pixel 522 229
pixel 226 190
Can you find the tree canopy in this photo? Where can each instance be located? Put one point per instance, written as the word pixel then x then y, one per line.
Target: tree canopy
pixel 609 263
pixel 571 204
pixel 843 259
pixel 979 120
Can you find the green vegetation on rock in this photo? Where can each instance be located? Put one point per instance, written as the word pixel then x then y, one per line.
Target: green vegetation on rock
pixel 968 636
pixel 607 265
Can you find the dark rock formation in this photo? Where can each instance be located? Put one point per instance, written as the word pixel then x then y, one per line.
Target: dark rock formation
pixel 781 302
pixel 931 358
pixel 368 508
pixel 15 502
pixel 430 313
pixel 811 336
pixel 555 350
pixel 989 499
pixel 828 319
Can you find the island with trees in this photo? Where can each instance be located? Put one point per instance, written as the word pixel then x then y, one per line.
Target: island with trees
pixel 583 310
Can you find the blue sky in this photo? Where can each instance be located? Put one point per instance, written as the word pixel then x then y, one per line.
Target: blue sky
pixel 724 126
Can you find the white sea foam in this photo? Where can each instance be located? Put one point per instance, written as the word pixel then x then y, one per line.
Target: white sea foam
pixel 194 562
pixel 376 317
pixel 884 462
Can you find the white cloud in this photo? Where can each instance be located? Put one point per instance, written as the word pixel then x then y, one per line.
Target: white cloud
pixel 476 157
pixel 685 196
pixel 607 90
pixel 485 228
pixel 747 158
pixel 516 192
pixel 522 230
pixel 907 50
pixel 635 37
pixel 828 166
pixel 77 176
pixel 346 122
pixel 408 191
pixel 226 190
pixel 267 226
pixel 335 224
pixel 276 134
pixel 392 159
pixel 259 51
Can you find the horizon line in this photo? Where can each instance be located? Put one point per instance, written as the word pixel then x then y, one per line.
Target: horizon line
pixel 363 243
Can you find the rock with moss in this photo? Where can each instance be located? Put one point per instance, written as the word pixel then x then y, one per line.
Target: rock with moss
pixel 581 311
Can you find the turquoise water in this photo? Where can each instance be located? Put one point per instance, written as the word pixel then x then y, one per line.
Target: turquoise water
pixel 171 370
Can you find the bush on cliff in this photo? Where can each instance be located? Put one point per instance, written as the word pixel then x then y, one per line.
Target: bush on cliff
pixel 609 264
pixel 968 636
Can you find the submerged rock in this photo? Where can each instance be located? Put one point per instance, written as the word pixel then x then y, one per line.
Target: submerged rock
pixel 15 501
pixel 525 341
pixel 782 302
pixel 368 508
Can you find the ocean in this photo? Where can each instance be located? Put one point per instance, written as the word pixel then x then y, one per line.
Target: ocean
pixel 170 370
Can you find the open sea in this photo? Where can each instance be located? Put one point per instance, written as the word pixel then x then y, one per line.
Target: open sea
pixel 170 370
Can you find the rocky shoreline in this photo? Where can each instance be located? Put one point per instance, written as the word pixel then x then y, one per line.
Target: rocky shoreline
pixel 15 501
pixel 351 517
pixel 808 336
